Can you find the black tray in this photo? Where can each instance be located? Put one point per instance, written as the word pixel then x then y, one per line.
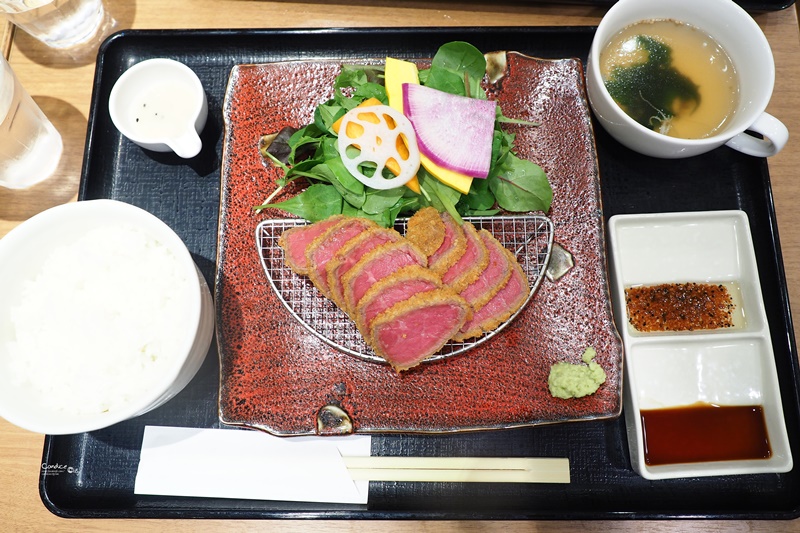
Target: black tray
pixel 754 6
pixel 186 196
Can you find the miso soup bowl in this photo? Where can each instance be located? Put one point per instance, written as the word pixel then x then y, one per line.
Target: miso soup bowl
pixel 739 35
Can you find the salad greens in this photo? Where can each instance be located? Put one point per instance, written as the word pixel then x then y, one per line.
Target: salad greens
pixel 513 184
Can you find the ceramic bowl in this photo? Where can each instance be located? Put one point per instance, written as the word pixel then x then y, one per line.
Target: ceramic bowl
pixel 739 35
pixel 104 316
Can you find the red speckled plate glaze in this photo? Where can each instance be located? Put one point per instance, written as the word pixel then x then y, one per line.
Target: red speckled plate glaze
pixel 277 376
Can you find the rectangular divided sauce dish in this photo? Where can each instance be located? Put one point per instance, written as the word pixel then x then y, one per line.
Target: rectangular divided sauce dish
pixel 701 393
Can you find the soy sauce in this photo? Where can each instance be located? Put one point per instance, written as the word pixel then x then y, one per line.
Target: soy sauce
pixel 704 432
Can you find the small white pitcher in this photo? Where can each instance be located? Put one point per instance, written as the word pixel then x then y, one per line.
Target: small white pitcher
pixel 160 105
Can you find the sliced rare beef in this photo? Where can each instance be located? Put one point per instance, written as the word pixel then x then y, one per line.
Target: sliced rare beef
pixel 453 246
pixel 349 254
pixel 295 241
pixel 407 304
pixel 412 330
pixel 323 248
pixel 392 290
pixel 501 306
pixel 471 263
pixel 375 266
pixel 493 277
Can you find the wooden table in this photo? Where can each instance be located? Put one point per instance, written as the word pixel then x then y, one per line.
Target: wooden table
pixel 63 87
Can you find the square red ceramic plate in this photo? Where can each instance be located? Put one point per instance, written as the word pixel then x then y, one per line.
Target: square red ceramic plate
pixel 279 377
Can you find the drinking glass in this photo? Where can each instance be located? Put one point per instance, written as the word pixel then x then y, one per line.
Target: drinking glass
pixel 30 147
pixel 57 23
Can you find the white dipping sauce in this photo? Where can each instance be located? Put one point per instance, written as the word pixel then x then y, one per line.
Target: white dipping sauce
pixel 95 326
pixel 164 110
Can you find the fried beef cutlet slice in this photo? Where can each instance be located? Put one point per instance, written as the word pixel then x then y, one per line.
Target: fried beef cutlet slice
pixel 426 230
pixel 375 266
pixel 325 246
pixel 295 241
pixel 493 277
pixel 391 290
pixel 349 254
pixel 452 248
pixel 412 330
pixel 501 306
pixel 472 262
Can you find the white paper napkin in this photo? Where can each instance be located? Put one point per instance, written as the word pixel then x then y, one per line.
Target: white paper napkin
pixel 232 463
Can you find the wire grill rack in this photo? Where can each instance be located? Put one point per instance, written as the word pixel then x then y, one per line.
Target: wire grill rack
pixel 529 237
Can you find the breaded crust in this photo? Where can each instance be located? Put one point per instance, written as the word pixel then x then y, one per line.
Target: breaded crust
pixel 437 297
pixel 334 266
pixel 405 274
pixel 327 243
pixel 479 260
pixel 426 230
pixel 284 241
pixel 441 261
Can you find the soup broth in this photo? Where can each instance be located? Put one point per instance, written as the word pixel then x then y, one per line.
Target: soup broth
pixel 672 78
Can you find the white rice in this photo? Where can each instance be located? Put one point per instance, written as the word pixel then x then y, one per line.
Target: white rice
pixel 99 324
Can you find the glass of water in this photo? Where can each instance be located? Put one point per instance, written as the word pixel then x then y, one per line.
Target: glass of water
pixel 30 147
pixel 57 23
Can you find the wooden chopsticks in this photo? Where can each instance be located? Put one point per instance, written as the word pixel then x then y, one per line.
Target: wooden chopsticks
pixel 460 469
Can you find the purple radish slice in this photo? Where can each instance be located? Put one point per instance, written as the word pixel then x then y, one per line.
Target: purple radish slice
pixel 455 132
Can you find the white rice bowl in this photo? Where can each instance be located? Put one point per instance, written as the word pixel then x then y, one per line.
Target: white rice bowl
pixel 103 317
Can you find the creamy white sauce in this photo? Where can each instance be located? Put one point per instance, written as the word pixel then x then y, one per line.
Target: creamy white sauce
pixel 165 110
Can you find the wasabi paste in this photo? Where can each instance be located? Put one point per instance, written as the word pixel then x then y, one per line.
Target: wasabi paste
pixel 569 380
